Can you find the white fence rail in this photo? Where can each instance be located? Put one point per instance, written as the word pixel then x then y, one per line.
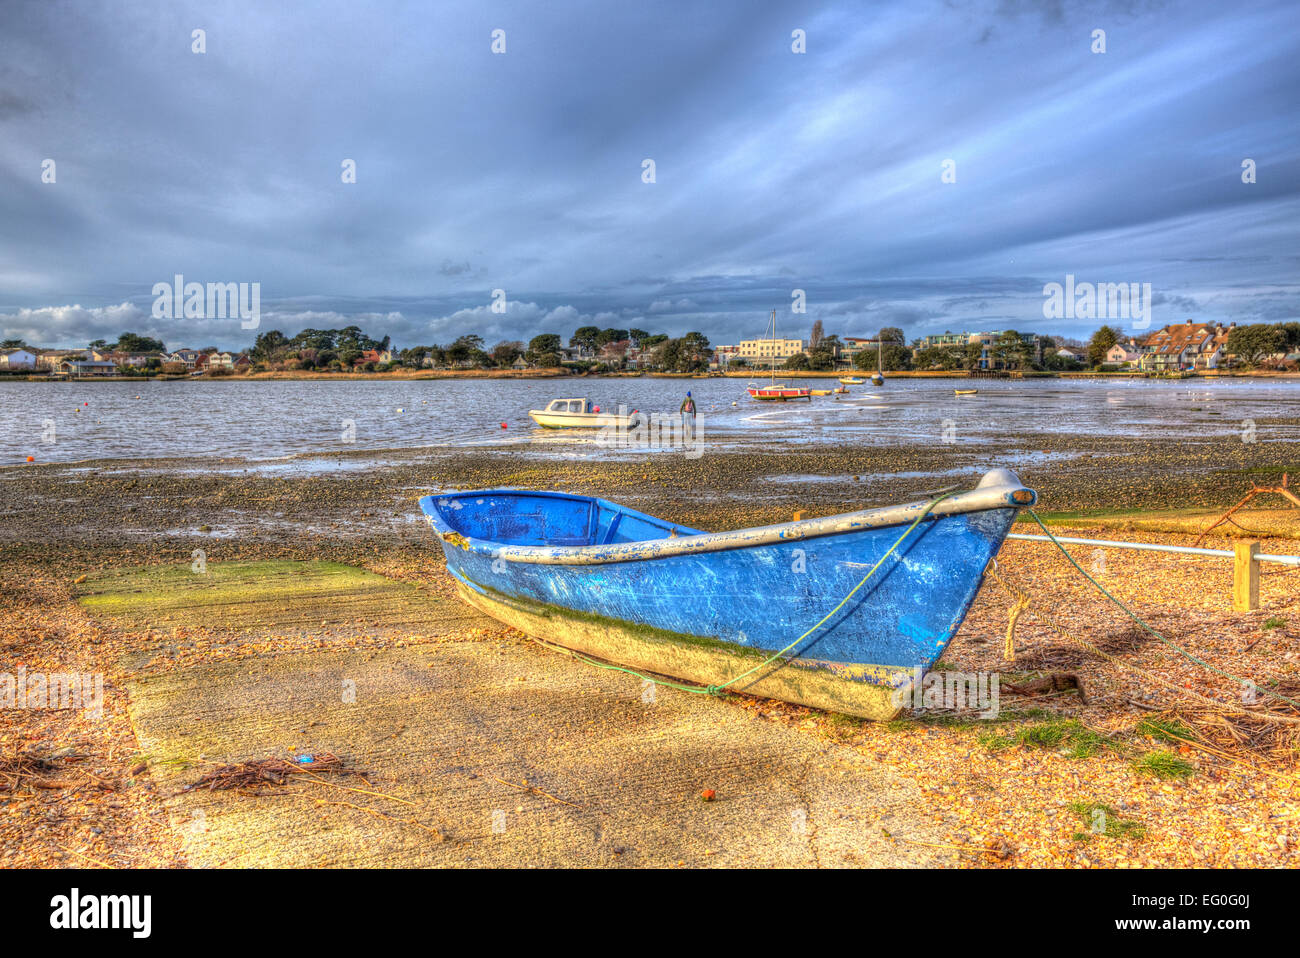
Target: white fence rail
pixel 1245 557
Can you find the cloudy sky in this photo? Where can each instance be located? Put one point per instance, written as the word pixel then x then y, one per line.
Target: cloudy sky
pixel 523 170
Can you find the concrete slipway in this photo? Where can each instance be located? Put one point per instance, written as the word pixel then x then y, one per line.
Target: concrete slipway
pixel 515 755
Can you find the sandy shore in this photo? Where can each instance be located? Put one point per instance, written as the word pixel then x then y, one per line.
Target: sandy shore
pixel 1020 791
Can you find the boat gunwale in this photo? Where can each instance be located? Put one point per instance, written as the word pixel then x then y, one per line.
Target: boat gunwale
pixel 998 489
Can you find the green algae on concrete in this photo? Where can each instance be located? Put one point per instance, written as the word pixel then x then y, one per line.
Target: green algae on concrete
pixel 236 596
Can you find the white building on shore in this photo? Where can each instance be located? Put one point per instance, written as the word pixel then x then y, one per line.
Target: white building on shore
pixel 17 359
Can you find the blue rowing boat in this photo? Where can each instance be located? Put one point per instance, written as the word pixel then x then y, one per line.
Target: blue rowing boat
pixel 844 612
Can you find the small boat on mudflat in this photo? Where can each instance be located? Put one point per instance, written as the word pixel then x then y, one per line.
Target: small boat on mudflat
pixel 719 608
pixel 576 414
pixel 852 380
pixel 965 392
pixel 778 392
pixel 878 377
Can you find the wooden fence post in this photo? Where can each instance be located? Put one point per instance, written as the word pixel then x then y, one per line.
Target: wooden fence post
pixel 1245 575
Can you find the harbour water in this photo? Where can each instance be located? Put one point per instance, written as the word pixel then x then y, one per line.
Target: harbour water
pixel 271 422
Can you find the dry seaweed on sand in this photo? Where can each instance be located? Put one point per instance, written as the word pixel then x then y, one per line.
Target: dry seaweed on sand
pixel 262 772
pixel 17 766
pixel 1250 733
pixel 1231 734
pixel 1251 730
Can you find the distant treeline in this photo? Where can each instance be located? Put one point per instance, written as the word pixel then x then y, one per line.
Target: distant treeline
pixel 597 349
pixel 590 347
pixel 1253 344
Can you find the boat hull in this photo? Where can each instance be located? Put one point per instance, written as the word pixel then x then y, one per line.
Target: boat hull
pixel 779 395
pixel 817 686
pixel 706 608
pixel 578 420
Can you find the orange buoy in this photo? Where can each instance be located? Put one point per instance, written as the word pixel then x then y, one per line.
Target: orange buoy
pixel 31 458
pixel 503 425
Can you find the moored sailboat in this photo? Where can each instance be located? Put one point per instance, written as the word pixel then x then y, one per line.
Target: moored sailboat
pixel 777 392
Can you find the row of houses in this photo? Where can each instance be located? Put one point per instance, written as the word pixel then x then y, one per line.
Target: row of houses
pixel 1180 347
pixel 1177 348
pixel 1185 346
pixel 98 362
pixel 762 352
pixel 57 362
pixel 621 351
pixel 198 361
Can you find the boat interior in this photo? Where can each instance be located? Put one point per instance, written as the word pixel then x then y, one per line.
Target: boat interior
pixel 545 519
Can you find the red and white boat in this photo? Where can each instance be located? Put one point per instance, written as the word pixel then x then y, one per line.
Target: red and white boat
pixel 779 392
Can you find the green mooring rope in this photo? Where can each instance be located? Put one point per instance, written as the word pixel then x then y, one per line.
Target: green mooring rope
pixel 1138 619
pixel 717 689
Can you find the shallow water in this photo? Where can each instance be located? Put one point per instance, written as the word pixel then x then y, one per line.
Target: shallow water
pixel 277 420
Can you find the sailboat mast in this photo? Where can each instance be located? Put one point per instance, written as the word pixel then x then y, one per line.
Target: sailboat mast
pixel 774 346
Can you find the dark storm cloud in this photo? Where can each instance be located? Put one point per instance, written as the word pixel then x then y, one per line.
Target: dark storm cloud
pixel 11 105
pixel 775 171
